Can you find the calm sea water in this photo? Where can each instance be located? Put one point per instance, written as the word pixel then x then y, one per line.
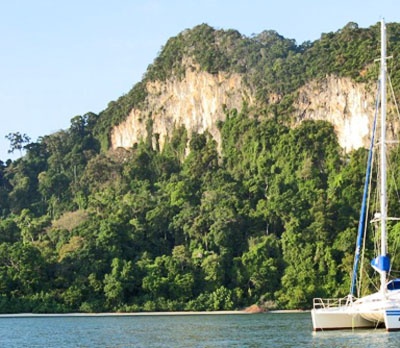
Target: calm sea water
pixel 260 330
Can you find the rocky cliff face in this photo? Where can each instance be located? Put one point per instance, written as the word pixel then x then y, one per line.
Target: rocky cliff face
pixel 197 102
pixel 347 105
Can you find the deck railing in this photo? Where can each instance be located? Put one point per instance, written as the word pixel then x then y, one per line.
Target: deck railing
pixel 331 302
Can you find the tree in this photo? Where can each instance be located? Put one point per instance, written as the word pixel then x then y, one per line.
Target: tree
pixel 22 269
pixel 17 141
pixel 262 265
pixel 118 283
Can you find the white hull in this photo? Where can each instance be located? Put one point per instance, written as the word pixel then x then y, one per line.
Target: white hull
pixel 342 319
pixel 338 319
pixel 368 312
pixel 392 319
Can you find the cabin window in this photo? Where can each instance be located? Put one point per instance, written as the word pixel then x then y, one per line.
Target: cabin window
pixel 394 284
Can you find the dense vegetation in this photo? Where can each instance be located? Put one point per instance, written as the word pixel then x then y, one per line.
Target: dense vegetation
pixel 270 220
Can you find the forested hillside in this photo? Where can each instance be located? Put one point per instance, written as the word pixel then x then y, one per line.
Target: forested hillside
pixel 270 219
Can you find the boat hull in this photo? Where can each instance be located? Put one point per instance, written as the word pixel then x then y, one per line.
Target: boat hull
pixel 338 319
pixel 389 317
pixel 392 319
pixel 381 308
pixel 348 318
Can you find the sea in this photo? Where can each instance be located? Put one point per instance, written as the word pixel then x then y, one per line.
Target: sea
pixel 174 331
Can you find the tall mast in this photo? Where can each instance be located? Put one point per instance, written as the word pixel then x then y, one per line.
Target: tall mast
pixel 383 198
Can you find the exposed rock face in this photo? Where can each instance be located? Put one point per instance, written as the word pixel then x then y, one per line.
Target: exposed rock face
pixel 347 105
pixel 197 103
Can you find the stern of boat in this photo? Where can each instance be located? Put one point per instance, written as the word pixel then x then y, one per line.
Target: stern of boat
pixel 336 314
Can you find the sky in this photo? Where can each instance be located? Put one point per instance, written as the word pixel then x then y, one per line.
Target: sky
pixel 63 58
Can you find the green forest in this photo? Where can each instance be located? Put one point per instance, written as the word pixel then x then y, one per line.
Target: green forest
pixel 269 219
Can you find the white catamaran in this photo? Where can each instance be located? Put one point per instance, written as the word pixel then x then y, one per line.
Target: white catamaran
pixel 382 307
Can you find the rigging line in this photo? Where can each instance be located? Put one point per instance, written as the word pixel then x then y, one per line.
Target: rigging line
pixel 376 195
pixel 372 149
pixel 396 244
pixel 366 225
pixel 393 95
pixel 371 281
pixel 396 241
pixel 396 189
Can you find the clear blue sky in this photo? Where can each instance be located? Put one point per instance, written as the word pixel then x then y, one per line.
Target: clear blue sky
pixel 62 58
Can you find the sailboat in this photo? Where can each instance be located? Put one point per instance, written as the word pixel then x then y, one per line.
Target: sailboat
pixel 383 307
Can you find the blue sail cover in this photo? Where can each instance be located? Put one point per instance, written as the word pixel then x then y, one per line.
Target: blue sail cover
pixel 381 263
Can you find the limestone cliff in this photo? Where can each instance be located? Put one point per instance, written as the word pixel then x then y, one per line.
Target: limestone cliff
pixel 202 71
pixel 347 105
pixel 197 102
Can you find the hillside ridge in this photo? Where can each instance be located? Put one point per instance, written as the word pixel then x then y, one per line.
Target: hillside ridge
pixel 202 72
